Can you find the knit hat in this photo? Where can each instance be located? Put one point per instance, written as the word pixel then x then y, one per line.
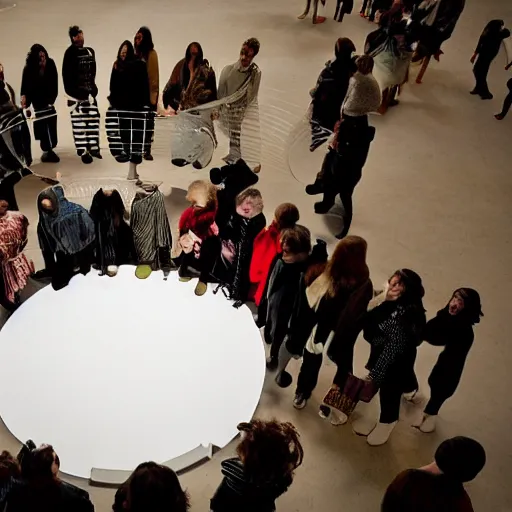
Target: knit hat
pixel 460 458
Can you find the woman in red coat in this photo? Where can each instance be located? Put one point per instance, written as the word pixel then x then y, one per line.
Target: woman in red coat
pixel 267 245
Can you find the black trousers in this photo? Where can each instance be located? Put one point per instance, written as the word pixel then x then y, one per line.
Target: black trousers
pixel 481 70
pixel 7 189
pixel 210 252
pixel 68 265
pixel 437 400
pixel 507 103
pixel 45 130
pixel 149 129
pixel 400 379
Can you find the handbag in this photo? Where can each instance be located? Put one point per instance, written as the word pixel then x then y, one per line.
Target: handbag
pixel 355 390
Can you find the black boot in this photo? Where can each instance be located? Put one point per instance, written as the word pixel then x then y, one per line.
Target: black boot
pixel 315 189
pixel 323 206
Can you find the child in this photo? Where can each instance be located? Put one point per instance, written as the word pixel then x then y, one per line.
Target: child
pixel 196 224
pixel 452 328
pixel 267 245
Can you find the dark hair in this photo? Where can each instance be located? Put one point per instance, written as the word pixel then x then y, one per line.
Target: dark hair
pixel 270 451
pixel 74 31
pixel 155 488
pixel 33 57
pixel 460 458
pixel 414 291
pixel 364 64
pixel 253 44
pixel 188 54
pixel 146 45
pixel 286 215
pixel 472 306
pixel 421 491
pixel 344 48
pixel 38 464
pixel 9 467
pixel 130 53
pixel 297 239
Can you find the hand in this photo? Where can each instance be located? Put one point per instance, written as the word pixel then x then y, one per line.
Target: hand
pixel 473 58
pixel 23 100
pixel 393 294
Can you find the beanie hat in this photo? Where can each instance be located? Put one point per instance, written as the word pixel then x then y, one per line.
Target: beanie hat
pixel 460 458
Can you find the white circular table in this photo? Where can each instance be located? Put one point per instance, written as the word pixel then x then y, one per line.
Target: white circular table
pixel 117 371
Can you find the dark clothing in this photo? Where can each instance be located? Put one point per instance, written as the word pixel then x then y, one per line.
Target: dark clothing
pixel 456 335
pixel 50 497
pixel 45 128
pixel 15 143
pixel 129 86
pixel 237 493
pixel 418 490
pixel 114 237
pixel 507 102
pixel 85 121
pixel 393 330
pixel 79 73
pixel 40 89
pixel 7 189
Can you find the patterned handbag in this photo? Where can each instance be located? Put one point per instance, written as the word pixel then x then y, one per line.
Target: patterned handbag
pixel 345 401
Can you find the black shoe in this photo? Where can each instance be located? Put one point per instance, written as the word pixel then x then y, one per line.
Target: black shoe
pixel 487 96
pixel 394 103
pixel 324 411
pixel 148 157
pixel 50 157
pixel 272 363
pixel 86 158
pixel 96 154
pixel 197 165
pixel 474 92
pixel 314 189
pixel 284 379
pixel 322 207
pixel 178 162
pixel 122 159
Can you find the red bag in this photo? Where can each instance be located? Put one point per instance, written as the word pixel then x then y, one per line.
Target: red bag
pixel 355 390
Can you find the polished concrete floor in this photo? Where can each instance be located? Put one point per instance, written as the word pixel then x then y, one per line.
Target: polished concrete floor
pixel 435 197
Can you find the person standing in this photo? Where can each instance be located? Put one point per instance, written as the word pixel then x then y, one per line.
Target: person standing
pixel 507 102
pixel 452 329
pixel 486 51
pixel 79 76
pixel 39 88
pixel 329 92
pixel 241 81
pixel 439 486
pixel 129 100
pixel 393 327
pixel 145 51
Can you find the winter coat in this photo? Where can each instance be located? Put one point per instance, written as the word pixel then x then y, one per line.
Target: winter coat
pixel 79 73
pixel 40 90
pixel 129 86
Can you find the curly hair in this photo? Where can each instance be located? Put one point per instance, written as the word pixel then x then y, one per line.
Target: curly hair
pixel 347 267
pixel 205 188
pixel 253 44
pixel 270 451
pixel 286 215
pixel 9 466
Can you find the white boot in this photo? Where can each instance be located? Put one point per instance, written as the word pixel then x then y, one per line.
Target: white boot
pixel 414 397
pixel 429 424
pixel 380 434
pixel 363 426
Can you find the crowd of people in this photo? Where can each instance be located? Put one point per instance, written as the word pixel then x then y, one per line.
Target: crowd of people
pixel 308 303
pixel 263 469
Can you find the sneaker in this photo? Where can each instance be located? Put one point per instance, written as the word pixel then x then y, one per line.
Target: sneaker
pixel 338 418
pixel 185 279
pixel 200 288
pixel 86 158
pixel 314 189
pixel 415 397
pixel 324 412
pixel 474 92
pixel 487 96
pixel 96 154
pixel 380 434
pixel 299 402
pixel 429 424
pixel 284 379
pixel 272 363
pixel 148 157
pixel 322 208
pixel 499 117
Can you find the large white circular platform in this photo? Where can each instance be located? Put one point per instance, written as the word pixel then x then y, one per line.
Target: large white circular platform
pixel 117 371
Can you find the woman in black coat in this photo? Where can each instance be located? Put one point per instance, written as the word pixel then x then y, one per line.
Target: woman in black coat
pixel 452 329
pixel 129 101
pixel 39 88
pixel 393 327
pixel 488 48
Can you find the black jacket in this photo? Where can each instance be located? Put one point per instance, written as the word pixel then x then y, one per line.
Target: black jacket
pixel 79 73
pixel 40 90
pixel 129 86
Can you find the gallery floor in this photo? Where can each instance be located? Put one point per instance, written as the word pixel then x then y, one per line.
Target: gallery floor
pixel 435 197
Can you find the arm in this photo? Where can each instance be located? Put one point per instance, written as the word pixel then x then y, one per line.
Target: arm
pixel 433 332
pixel 69 74
pixel 94 91
pixel 255 87
pixel 53 78
pixel 222 90
pixel 478 48
pixel 26 100
pixel 154 77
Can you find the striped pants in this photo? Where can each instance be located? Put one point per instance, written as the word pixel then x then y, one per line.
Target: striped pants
pixel 85 121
